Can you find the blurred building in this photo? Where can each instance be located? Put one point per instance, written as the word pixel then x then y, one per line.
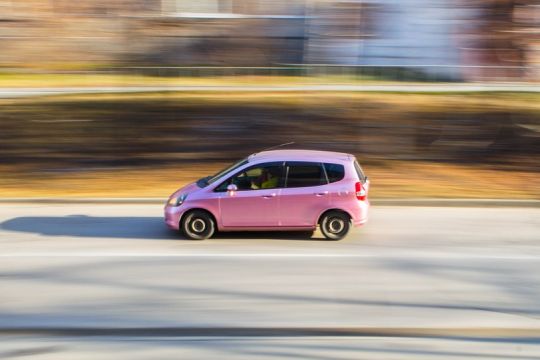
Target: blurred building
pixel 458 39
pixel 454 39
pixel 225 32
pixel 500 39
pixel 384 33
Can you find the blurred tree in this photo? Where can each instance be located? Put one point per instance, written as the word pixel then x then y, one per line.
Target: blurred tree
pixel 500 33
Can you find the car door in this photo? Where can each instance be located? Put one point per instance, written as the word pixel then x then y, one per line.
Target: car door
pixel 256 202
pixel 305 194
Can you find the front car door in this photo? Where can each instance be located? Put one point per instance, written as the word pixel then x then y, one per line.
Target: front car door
pixel 305 194
pixel 255 204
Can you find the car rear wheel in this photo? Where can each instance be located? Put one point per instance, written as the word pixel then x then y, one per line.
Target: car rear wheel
pixel 198 225
pixel 335 225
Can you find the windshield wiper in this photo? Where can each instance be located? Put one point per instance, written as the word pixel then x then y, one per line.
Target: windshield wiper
pixel 203 182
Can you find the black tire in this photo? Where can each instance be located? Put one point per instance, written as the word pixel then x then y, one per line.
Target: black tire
pixel 198 225
pixel 335 225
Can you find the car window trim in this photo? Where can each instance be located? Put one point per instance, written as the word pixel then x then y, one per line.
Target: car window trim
pixel 325 174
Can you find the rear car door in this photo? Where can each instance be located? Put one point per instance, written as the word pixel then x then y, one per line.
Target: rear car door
pixel 305 194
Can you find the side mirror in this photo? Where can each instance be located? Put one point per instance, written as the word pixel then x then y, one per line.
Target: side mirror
pixel 231 189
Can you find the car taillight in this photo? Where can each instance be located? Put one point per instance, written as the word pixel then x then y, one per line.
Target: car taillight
pixel 360 191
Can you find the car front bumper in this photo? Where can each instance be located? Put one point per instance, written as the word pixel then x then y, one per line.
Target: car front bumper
pixel 172 216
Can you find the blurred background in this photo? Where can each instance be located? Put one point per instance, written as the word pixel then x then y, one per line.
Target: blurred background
pixel 151 94
pixel 135 98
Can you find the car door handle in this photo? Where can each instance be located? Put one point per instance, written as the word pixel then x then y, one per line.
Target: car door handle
pixel 321 193
pixel 269 196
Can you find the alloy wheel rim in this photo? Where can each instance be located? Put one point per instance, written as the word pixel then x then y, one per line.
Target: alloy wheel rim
pixel 336 225
pixel 198 225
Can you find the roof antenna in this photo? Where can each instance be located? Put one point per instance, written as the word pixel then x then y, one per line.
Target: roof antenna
pixel 277 146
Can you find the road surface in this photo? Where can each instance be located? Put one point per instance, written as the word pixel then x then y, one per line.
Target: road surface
pixel 98 281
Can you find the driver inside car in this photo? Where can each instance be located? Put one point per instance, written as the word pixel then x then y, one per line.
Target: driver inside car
pixel 267 180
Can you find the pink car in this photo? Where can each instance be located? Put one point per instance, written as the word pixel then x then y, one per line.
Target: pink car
pixel 275 190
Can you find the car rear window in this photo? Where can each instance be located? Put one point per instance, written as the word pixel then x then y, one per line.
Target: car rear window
pixel 335 172
pixel 302 174
pixel 360 172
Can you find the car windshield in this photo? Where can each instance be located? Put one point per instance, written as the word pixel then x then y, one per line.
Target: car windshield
pixel 211 179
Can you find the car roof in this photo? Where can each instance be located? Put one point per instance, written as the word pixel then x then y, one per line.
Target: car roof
pixel 300 155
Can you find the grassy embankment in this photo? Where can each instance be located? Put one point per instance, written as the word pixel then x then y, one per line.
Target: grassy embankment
pixel 34 80
pixel 150 144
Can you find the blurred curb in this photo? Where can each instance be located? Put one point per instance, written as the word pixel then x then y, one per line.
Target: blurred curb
pixel 458 202
pixel 427 202
pixel 14 92
pixel 84 200
pixel 473 333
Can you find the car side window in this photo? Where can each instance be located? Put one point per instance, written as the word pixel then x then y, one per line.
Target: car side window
pixel 335 172
pixel 303 174
pixel 256 177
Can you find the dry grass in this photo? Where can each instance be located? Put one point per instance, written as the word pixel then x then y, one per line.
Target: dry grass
pixel 405 102
pixel 16 80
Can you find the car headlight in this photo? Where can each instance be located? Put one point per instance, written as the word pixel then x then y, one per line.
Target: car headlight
pixel 177 200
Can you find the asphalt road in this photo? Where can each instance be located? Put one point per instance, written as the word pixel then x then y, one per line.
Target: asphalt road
pixel 102 281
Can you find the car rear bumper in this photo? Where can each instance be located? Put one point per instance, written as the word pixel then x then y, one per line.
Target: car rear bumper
pixel 360 213
pixel 358 223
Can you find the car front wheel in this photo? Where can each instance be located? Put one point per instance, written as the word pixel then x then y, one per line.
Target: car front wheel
pixel 198 225
pixel 335 225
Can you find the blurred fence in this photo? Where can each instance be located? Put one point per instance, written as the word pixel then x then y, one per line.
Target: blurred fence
pixel 421 73
pixel 434 73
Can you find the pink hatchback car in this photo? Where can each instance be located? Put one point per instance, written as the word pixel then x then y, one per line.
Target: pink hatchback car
pixel 275 190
